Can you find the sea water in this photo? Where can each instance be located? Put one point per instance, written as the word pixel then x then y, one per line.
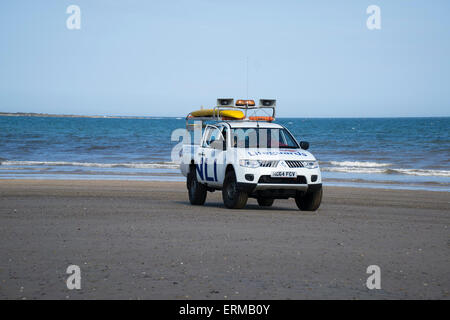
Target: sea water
pixel 410 153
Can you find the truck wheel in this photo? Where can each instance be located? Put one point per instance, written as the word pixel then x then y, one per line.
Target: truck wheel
pixel 233 198
pixel 309 201
pixel 265 202
pixel 196 190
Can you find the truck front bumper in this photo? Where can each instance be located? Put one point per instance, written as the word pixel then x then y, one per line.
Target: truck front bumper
pixel 251 187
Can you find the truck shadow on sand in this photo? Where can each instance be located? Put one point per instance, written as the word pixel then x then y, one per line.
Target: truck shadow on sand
pixel 248 207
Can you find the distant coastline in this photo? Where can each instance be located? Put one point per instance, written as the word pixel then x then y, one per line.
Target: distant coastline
pixel 49 115
pixel 32 114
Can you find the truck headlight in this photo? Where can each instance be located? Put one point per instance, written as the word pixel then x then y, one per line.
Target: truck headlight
pixel 310 164
pixel 249 163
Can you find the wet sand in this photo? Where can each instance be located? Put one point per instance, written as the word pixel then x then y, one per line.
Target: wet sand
pixel 143 240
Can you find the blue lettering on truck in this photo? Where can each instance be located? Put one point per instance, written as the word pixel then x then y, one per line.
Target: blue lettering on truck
pixel 200 170
pixel 206 172
pixel 276 153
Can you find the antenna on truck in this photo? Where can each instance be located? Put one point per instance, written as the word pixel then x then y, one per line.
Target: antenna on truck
pixel 247 78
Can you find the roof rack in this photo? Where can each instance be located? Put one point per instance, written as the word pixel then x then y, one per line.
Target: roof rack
pixel 247 106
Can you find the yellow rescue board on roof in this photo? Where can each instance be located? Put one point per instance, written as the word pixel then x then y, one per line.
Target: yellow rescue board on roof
pixel 233 114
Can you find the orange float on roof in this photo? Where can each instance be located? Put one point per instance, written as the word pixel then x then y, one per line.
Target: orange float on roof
pixel 261 118
pixel 242 103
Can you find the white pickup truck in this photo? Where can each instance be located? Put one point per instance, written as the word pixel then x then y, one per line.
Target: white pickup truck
pixel 248 158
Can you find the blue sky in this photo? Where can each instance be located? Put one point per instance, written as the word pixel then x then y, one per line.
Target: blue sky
pixel 167 58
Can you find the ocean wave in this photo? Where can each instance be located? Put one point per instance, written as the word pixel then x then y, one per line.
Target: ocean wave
pixel 353 170
pixel 153 165
pixel 371 167
pixel 424 172
pixel 359 164
pixel 357 167
pixel 412 172
pixel 99 147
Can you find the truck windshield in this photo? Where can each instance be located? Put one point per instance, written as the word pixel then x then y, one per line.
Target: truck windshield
pixel 262 138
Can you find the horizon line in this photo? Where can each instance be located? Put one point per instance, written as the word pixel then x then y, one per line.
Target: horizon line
pixel 65 115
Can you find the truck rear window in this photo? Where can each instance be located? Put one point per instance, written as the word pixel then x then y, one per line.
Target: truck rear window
pixel 262 138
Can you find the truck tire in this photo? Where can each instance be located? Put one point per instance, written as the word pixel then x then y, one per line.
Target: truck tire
pixel 233 198
pixel 265 202
pixel 309 201
pixel 196 190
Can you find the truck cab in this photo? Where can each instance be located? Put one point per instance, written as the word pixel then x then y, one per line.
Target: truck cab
pixel 251 158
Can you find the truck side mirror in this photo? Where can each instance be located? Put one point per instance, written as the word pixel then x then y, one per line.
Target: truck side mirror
pixel 304 145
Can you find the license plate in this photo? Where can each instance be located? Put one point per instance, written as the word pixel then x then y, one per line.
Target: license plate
pixel 283 174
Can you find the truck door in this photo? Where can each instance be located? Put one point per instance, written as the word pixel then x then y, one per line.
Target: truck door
pixel 209 155
pixel 221 155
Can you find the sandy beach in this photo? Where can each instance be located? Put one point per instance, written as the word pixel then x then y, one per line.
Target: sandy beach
pixel 143 240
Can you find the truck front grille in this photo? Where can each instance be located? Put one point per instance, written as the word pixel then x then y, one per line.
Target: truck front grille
pixel 269 179
pixel 268 163
pixel 294 164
